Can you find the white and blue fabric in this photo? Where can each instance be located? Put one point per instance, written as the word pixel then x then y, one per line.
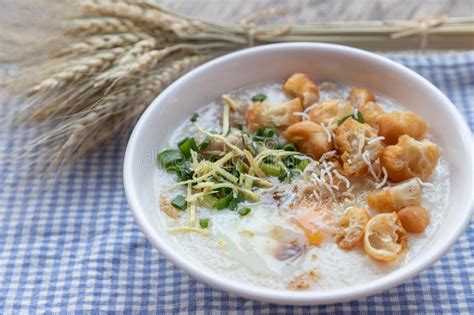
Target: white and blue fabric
pixel 73 246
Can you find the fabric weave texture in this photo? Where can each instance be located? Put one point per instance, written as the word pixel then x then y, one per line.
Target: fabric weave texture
pixel 73 246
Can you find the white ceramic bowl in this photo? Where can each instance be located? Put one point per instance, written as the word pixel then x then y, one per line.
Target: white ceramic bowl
pixel 321 62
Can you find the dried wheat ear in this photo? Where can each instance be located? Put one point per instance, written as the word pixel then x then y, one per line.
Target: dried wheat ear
pixel 113 57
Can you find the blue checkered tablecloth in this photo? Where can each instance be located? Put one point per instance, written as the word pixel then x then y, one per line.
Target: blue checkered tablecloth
pixel 72 246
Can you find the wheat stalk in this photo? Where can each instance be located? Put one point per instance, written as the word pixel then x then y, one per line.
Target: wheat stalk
pixel 99 42
pixel 138 14
pixel 143 63
pixel 140 94
pixel 117 55
pixel 136 59
pixel 77 136
pixel 137 50
pixel 83 138
pixel 156 83
pixel 100 25
pixel 85 67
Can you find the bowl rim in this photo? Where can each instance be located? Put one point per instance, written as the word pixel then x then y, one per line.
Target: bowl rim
pixel 215 280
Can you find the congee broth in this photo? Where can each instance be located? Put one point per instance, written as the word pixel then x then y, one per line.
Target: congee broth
pixel 301 185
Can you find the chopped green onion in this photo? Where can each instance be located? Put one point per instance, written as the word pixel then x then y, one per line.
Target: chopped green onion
pixel 357 117
pixel 194 117
pixel 208 201
pixel 237 169
pixel 290 161
pixel 270 169
pixel 179 202
pixel 244 211
pixel 258 138
pixel 360 118
pixel 235 202
pixel 224 191
pixel 270 159
pixel 289 147
pixel 342 120
pixel 239 166
pixel 205 143
pixel 204 223
pixel 183 170
pixel 265 132
pixel 186 145
pixel 283 176
pixel 169 158
pixel 288 176
pixel 302 165
pixel 184 173
pixel 232 170
pixel 259 98
pixel 223 202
